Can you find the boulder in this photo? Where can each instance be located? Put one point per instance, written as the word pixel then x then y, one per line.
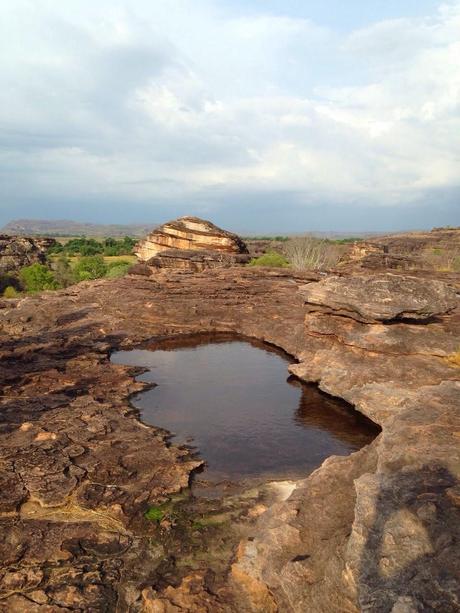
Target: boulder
pixel 189 234
pixel 19 251
pixel 380 297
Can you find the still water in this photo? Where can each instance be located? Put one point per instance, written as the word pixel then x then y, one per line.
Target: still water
pixel 234 401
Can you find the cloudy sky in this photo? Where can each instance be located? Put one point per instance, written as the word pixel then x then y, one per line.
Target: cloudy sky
pixel 261 115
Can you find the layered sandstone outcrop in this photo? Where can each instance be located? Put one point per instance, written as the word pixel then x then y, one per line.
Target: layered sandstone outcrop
pixel 19 251
pixel 191 243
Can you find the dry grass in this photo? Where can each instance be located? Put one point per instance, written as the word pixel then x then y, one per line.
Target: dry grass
pixel 132 259
pixel 309 252
pixel 444 260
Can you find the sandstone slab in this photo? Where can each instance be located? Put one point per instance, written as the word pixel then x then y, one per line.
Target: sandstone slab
pixel 381 297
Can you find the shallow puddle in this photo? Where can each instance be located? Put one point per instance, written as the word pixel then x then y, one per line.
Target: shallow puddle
pixel 234 401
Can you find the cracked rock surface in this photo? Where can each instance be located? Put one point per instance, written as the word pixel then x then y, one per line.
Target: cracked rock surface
pixel 382 297
pixel 374 531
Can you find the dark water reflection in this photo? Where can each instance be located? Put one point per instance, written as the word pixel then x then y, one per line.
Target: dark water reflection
pixel 233 400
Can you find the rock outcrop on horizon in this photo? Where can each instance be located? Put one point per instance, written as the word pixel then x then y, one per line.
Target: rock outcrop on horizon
pixel 435 250
pixel 191 243
pixel 19 251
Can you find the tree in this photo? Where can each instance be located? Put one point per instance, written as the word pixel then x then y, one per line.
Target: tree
pixel 90 267
pixel 63 273
pixel 37 278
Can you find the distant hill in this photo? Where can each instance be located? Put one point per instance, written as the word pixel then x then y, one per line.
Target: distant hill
pixel 64 227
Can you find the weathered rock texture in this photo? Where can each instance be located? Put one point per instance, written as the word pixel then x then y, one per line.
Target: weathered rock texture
pixel 375 531
pixel 381 297
pixel 19 251
pixel 189 234
pixel 188 259
pixel 435 250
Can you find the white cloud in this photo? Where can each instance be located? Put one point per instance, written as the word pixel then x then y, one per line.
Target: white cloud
pixel 159 100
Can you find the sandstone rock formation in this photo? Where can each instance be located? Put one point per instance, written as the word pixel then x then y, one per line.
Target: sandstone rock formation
pixel 435 250
pixel 19 251
pixel 381 297
pixel 375 531
pixel 191 243
pixel 189 259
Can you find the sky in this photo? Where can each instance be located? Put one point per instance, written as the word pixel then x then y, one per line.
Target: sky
pixel 264 116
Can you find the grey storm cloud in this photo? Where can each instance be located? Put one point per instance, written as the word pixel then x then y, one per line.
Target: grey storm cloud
pixel 145 111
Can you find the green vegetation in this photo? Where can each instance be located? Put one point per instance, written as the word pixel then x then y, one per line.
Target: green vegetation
pixel 90 246
pixel 270 259
pixel 117 269
pixel 344 241
pixel 154 514
pixel 63 272
pixel 37 277
pixel 90 267
pixel 280 239
pixel 10 292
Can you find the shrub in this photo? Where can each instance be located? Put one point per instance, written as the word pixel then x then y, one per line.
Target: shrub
pixel 90 267
pixel 270 259
pixel 118 269
pixel 10 292
pixel 154 514
pixel 37 278
pixel 8 279
pixel 63 272
pixel 308 252
pixel 443 260
pixel 116 263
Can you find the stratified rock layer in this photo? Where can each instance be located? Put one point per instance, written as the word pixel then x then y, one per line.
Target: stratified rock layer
pixel 189 259
pixel 189 233
pixel 382 297
pixel 375 531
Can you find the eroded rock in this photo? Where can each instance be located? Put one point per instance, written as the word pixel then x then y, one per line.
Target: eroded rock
pixel 374 531
pixel 381 297
pixel 188 259
pixel 189 234
pixel 19 251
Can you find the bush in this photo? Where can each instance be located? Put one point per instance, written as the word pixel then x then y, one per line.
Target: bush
pixel 63 272
pixel 10 292
pixel 90 267
pixel 308 252
pixel 37 278
pixel 8 279
pixel 270 259
pixel 90 246
pixel 117 269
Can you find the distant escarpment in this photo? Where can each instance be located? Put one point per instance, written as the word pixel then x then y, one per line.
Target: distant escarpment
pixel 66 227
pixel 191 243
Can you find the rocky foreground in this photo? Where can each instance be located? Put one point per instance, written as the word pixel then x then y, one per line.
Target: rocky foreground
pixel 375 531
